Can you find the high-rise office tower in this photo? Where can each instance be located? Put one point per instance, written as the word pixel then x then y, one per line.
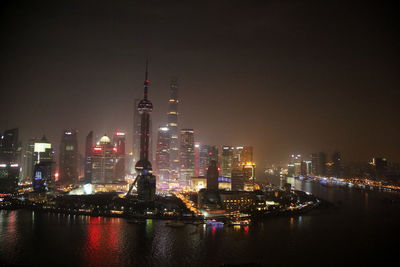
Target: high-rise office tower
pixel 43 165
pixel 103 162
pixel 196 159
pixel 68 171
pixel 162 155
pixel 336 165
pixel 28 159
pixel 322 159
pixel 212 176
pixel 207 153
pixel 186 156
pixel 294 166
pixel 119 148
pixel 88 157
pixel 173 131
pixel 146 181
pixel 227 160
pixel 10 150
pixel 237 179
pixel 314 164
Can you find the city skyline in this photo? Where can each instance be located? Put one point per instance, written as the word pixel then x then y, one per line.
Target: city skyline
pixel 302 98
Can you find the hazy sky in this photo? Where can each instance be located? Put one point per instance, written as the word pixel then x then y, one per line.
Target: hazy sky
pixel 283 76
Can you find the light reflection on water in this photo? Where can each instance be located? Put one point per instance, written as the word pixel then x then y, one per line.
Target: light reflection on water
pixel 33 238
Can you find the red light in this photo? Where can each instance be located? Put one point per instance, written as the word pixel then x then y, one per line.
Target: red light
pixel 56 174
pixel 120 134
pixel 219 169
pixel 97 148
pixel 115 149
pixel 209 153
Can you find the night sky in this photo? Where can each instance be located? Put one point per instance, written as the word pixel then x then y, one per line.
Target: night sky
pixel 284 76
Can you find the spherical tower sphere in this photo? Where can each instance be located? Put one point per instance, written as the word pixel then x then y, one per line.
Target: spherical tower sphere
pixel 145 105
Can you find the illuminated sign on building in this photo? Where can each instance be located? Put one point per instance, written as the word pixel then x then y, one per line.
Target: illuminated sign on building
pixel 41 147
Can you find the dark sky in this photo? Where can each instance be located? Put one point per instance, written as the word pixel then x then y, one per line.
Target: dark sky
pixel 283 76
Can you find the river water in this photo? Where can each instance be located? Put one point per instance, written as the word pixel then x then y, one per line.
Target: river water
pixel 363 231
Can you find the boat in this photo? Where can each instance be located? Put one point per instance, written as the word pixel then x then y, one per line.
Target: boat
pixel 213 222
pixel 241 222
pixel 174 224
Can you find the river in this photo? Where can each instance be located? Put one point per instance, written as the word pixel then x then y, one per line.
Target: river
pixel 361 231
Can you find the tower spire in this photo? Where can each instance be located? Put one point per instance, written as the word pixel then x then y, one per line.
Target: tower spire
pixel 146 79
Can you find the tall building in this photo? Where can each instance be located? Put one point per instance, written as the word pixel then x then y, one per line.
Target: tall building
pixel 336 168
pixel 146 181
pixel 212 176
pixel 227 160
pixel 43 165
pixel 27 160
pixel 162 156
pixel 207 153
pixel 322 159
pixel 68 170
pixel 119 148
pixel 10 150
pixel 174 132
pixel 237 179
pixel 103 162
pixel 196 158
pixel 88 157
pixel 186 156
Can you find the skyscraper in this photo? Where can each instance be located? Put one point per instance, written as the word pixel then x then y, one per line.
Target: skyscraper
pixel 186 156
pixel 68 158
pixel 212 175
pixel 162 155
pixel 88 157
pixel 28 159
pixel 43 165
pixel 146 181
pixel 119 148
pixel 227 160
pixel 207 153
pixel 173 131
pixel 103 162
pixel 9 161
pixel 336 165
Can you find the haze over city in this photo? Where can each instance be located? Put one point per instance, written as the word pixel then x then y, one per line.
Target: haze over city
pixel 283 76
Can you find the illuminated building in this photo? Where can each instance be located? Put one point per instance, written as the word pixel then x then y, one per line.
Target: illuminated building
pixel 237 179
pixel 249 175
pixel 162 155
pixel 88 157
pixel 28 159
pixel 224 183
pixel 146 181
pixel 206 154
pixel 172 125
pixel 318 164
pixel 294 166
pixel 103 162
pixel 336 168
pixel 198 183
pixel 212 175
pixel 119 148
pixel 8 178
pixel 226 160
pixel 10 150
pixel 43 165
pixel 381 166
pixel 68 168
pixel 196 158
pixel 186 156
